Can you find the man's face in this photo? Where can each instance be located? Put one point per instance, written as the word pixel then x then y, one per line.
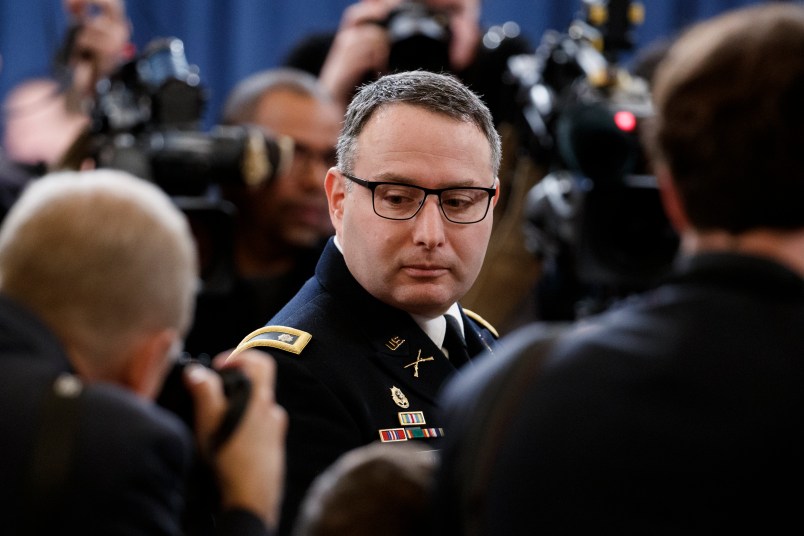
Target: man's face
pixel 424 264
pixel 293 208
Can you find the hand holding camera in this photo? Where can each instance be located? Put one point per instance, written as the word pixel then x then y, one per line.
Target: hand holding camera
pixel 241 430
pixel 359 47
pixel 380 36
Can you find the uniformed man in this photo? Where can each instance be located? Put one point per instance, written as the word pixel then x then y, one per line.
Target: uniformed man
pixel 359 348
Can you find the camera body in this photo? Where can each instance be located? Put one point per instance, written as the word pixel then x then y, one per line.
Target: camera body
pixel 146 120
pixel 596 216
pixel 419 37
pixel 175 397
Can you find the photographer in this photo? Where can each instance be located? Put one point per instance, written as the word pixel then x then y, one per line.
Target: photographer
pixel 99 273
pixel 365 46
pixel 97 42
pixel 281 225
pixel 43 116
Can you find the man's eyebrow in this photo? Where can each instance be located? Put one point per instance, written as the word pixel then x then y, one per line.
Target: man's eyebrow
pixel 391 177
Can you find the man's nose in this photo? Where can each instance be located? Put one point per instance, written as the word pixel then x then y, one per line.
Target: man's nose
pixel 429 224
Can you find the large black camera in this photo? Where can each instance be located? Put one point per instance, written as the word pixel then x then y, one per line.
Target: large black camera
pixel 419 38
pixel 596 218
pixel 146 120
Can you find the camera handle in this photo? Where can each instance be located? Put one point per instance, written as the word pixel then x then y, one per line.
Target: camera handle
pixel 237 388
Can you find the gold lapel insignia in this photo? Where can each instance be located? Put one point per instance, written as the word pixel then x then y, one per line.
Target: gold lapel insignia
pixel 394 343
pixel 415 364
pixel 399 397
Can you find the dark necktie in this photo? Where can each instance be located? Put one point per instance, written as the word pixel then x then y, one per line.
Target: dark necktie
pixel 455 343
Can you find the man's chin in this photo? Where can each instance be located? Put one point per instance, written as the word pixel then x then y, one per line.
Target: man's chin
pixel 421 301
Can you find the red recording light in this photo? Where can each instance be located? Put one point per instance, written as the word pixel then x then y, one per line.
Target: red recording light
pixel 625 121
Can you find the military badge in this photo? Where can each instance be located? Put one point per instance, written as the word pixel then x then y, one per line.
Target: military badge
pixel 399 397
pixel 424 433
pixel 407 418
pixel 394 343
pixel 415 364
pixel 393 434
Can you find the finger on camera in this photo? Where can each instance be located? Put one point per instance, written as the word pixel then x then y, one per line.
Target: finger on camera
pixel 258 366
pixel 206 389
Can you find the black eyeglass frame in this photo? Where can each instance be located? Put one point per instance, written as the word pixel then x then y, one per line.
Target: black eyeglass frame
pixel 372 185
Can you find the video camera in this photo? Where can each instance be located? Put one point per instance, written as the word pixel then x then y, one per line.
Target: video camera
pixel 146 120
pixel 596 217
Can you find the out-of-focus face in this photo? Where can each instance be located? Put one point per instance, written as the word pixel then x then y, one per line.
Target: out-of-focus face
pixel 465 26
pixel 424 264
pixel 293 208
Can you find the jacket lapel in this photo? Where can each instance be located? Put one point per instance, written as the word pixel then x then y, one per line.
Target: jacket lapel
pixel 412 359
pixel 399 345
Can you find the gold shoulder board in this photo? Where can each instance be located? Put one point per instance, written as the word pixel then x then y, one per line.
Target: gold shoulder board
pixel 482 321
pixel 281 337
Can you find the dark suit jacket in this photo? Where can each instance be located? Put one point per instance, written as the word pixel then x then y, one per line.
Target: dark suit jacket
pixel 129 459
pixel 678 414
pixel 354 381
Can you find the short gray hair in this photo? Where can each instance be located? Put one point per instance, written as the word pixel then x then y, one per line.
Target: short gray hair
pixel 241 103
pixel 439 93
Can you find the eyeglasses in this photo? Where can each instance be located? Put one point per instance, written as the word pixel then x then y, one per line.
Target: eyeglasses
pixel 459 204
pixel 304 155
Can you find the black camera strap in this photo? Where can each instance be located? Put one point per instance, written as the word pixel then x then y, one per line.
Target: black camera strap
pixel 52 457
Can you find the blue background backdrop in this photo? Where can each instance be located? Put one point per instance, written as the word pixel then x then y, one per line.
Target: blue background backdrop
pixel 229 39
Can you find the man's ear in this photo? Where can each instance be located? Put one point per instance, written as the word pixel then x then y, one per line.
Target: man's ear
pixel 148 361
pixel 335 186
pixel 671 200
pixel 497 194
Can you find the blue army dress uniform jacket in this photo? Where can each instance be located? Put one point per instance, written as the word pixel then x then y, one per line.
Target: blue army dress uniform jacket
pixel 352 370
pixel 117 465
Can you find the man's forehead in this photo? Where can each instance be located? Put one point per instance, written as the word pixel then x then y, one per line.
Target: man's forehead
pixel 394 111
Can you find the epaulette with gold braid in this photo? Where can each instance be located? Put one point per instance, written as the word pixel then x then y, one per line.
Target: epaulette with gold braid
pixel 281 337
pixel 482 321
